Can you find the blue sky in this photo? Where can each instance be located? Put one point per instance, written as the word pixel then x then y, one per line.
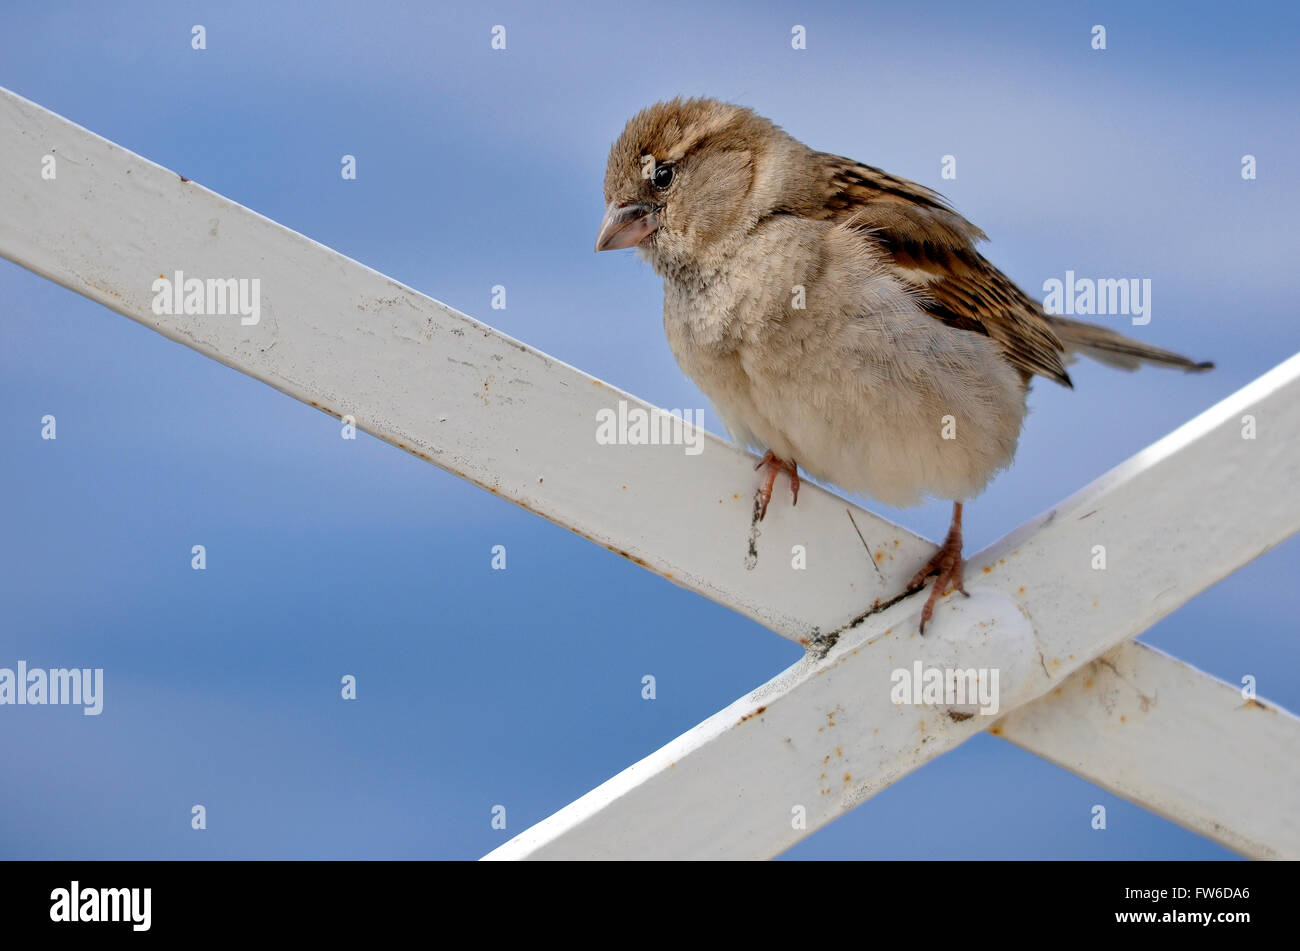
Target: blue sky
pixel 479 167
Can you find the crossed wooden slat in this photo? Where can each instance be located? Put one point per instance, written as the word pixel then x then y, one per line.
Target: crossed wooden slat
pixel 824 735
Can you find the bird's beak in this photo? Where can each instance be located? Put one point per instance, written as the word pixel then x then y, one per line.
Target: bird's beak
pixel 626 225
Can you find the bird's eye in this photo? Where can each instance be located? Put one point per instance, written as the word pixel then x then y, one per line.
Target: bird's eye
pixel 662 177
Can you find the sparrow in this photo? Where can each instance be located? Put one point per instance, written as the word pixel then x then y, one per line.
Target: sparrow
pixel 838 317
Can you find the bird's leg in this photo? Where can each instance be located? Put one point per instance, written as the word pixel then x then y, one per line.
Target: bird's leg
pixel 947 563
pixel 774 467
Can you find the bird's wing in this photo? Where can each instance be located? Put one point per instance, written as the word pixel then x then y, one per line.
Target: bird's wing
pixel 932 248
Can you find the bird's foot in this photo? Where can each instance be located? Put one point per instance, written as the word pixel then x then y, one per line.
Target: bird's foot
pixel 947 563
pixel 774 467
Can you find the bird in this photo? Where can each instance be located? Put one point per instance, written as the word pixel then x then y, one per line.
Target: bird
pixel 839 318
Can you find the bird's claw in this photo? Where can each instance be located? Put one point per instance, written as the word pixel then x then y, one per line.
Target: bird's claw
pixel 947 563
pixel 775 466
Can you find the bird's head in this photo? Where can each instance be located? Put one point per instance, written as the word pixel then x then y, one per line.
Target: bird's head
pixel 688 174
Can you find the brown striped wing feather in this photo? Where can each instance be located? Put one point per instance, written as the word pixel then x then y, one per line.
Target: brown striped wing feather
pixel 934 249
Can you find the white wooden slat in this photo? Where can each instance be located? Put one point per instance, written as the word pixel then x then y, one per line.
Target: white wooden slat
pixel 825 736
pixel 1176 741
pixel 426 378
pixel 432 381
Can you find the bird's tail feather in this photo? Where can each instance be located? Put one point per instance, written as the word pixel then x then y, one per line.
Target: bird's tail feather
pixel 1114 349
